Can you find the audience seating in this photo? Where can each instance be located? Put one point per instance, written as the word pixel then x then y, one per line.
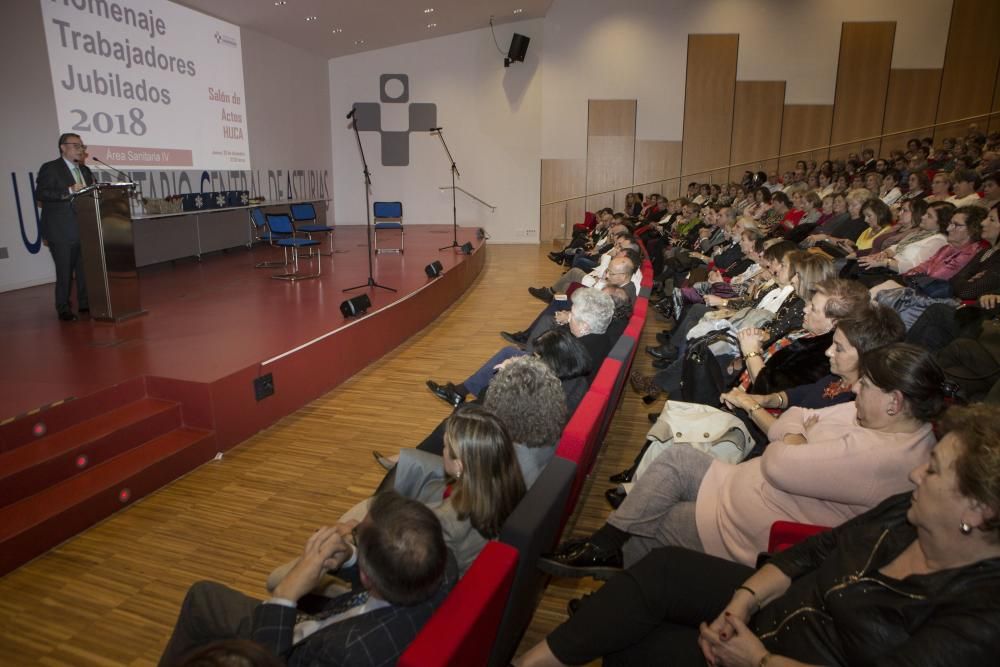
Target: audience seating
pixel 533 529
pixel 464 628
pixel 786 534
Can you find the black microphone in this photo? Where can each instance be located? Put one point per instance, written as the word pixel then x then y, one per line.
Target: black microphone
pixel 435 129
pixel 117 171
pixel 351 112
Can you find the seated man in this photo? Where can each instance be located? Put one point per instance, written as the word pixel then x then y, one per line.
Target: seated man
pixel 622 239
pixel 403 572
pixel 588 320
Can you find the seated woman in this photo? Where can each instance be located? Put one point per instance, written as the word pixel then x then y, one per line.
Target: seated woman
pixel 821 467
pixel 796 277
pixel 838 236
pixel 472 489
pixel 940 187
pixel 878 217
pixel 924 228
pixel 863 328
pixel 964 242
pixel 913 581
pixel 942 283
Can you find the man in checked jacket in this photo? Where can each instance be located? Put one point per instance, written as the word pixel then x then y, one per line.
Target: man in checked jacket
pixel 401 573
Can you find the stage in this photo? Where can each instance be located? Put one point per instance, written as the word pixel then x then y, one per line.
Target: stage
pixel 98 415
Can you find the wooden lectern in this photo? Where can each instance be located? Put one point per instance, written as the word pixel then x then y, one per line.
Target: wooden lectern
pixel 107 249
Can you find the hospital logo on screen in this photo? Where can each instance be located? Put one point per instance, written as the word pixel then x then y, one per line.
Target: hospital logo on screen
pixel 225 39
pixel 395 89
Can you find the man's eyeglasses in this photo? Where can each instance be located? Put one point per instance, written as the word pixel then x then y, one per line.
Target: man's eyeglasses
pixel 77 144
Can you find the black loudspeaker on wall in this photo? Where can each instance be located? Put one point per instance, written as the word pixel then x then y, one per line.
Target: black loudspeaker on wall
pixel 357 305
pixel 466 248
pixel 434 269
pixel 518 48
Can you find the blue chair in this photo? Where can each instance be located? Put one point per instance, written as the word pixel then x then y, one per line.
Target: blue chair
pixel 388 217
pixel 304 216
pixel 259 233
pixel 280 225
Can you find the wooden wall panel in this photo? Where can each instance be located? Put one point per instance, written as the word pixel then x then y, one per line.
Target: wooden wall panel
pixel 756 126
pixel 610 145
pixel 910 103
pixel 562 179
pixel 994 124
pixel 553 223
pixel 708 102
pixel 804 126
pixel 970 64
pixel 656 161
pixel 862 82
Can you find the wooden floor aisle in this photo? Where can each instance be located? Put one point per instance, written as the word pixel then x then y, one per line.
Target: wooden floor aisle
pixel 110 596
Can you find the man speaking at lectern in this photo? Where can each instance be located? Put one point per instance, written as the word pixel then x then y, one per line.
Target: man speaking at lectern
pixel 57 180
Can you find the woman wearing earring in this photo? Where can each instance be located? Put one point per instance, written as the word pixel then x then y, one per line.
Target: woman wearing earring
pixel 914 581
pixel 821 467
pixel 476 488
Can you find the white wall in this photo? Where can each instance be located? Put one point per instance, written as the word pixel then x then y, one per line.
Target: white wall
pixel 492 123
pixel 637 49
pixel 288 116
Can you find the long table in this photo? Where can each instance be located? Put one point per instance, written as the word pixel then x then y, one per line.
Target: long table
pixel 162 237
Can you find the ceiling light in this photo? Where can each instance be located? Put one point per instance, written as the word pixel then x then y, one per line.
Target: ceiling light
pixel 429 10
pixel 518 11
pixel 280 3
pixel 359 42
pixel 310 18
pixel 336 31
pixel 432 25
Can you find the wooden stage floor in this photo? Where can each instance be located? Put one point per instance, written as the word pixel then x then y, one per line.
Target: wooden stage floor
pixel 206 319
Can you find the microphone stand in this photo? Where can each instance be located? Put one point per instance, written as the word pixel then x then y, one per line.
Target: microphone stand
pixel 368 211
pixel 454 206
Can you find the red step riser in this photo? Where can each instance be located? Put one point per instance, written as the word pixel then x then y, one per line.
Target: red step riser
pixel 55 419
pixel 100 504
pixel 47 473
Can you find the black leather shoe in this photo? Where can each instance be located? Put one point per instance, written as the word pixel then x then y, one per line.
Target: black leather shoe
pixel 584 561
pixel 664 337
pixel 664 352
pixel 573 605
pixel 557 257
pixel 542 293
pixel 85 310
pixel 615 496
pixel 624 477
pixel 446 393
pixel 68 316
pixel 661 363
pixel 518 338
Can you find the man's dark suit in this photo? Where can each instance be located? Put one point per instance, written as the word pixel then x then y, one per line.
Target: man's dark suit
pixel 212 611
pixel 59 229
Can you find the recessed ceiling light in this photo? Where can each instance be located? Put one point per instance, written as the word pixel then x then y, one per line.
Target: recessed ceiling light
pixel 280 3
pixel 359 42
pixel 429 10
pixel 432 25
pixel 518 11
pixel 336 31
pixel 310 18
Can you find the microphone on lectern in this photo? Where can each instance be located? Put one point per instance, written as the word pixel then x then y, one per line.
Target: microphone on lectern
pixel 435 129
pixel 351 113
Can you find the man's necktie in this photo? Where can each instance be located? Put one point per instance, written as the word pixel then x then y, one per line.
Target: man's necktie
pixel 78 176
